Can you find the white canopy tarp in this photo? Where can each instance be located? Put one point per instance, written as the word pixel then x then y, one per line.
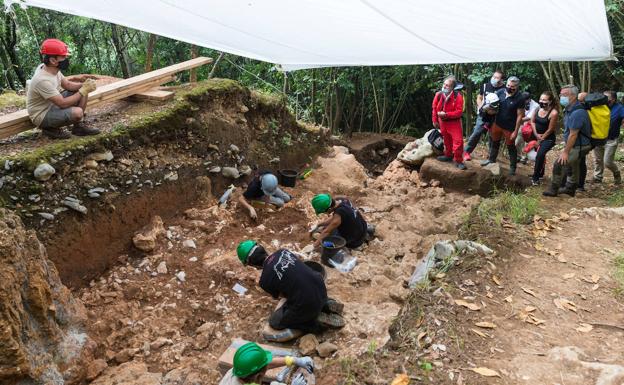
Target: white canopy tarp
pixel 315 33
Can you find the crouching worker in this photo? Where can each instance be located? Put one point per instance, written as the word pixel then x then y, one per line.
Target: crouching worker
pixel 304 305
pixel 53 101
pixel 251 363
pixel 345 221
pixel 263 187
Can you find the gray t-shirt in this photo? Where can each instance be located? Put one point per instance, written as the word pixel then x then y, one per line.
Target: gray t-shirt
pixel 42 87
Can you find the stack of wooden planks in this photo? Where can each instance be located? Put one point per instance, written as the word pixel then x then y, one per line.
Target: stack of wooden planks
pixel 16 122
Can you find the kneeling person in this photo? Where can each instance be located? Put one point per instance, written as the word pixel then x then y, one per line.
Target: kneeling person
pixel 345 221
pixel 263 187
pixel 251 363
pixel 303 291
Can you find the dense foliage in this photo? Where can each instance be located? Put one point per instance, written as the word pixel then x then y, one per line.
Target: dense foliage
pixel 350 99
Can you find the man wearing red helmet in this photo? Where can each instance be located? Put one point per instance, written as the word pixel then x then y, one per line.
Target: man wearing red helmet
pixel 54 102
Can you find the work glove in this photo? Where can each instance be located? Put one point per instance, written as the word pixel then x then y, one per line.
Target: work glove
pixel 87 87
pixel 252 213
pixel 299 380
pixel 302 362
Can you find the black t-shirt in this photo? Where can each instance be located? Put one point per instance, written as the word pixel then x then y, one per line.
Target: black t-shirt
pixel 352 225
pixel 488 88
pixel 508 110
pixel 284 274
pixel 254 189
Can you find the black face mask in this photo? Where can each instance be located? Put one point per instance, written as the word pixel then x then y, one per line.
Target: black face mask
pixel 544 104
pixel 510 91
pixel 63 65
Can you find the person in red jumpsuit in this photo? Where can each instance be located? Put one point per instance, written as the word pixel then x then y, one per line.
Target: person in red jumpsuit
pixel 446 112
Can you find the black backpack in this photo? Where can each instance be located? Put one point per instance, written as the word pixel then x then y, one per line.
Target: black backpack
pixel 595 99
pixel 436 140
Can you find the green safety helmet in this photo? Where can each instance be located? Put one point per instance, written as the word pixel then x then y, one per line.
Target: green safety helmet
pixel 249 359
pixel 243 250
pixel 321 203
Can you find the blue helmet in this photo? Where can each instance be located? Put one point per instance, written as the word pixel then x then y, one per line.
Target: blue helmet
pixel 268 183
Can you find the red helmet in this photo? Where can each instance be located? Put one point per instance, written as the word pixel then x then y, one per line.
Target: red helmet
pixel 54 47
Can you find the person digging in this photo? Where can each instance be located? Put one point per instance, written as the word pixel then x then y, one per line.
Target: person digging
pixel 304 304
pixel 345 221
pixel 251 363
pixel 52 100
pixel 263 187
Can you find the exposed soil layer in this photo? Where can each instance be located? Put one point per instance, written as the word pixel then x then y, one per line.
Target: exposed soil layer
pixel 376 151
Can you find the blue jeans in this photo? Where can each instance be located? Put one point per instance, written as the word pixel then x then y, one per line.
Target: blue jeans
pixel 474 138
pixel 540 158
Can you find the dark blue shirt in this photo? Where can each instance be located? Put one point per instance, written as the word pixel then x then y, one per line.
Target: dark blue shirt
pixel 508 110
pixel 617 115
pixel 576 118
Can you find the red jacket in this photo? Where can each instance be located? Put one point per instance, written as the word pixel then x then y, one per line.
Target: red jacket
pixel 453 105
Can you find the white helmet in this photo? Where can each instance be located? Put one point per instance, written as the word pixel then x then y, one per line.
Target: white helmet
pixel 491 98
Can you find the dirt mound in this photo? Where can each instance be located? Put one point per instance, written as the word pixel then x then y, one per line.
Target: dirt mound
pixel 43 337
pixel 338 173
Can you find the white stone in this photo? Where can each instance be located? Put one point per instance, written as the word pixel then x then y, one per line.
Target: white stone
pixel 162 268
pixel 44 171
pixel 189 243
pixel 181 276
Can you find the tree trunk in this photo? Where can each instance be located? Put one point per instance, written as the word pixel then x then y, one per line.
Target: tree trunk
pixel 612 69
pixel 549 79
pixel 121 52
pixel 214 66
pixel 469 103
pixel 7 71
pixel 9 41
pixel 149 52
pixel 194 54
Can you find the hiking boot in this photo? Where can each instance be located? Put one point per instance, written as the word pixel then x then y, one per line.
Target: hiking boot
pixel 80 129
pixel 56 133
pixel 617 178
pixel 333 321
pixel 467 157
pixel 551 192
pixel 568 190
pixel 484 163
pixel 444 158
pixel 333 306
pixel 461 166
pixel 581 189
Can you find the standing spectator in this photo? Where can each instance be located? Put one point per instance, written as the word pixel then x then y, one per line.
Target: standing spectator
pixel 605 155
pixel 544 124
pixel 495 84
pixel 446 112
pixel 576 134
pixel 507 123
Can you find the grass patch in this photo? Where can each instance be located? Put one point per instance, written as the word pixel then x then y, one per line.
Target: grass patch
pixel 11 99
pixel 516 207
pixel 618 274
pixel 616 199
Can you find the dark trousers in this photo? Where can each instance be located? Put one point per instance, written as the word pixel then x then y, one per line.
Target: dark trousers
pixel 540 158
pixel 475 137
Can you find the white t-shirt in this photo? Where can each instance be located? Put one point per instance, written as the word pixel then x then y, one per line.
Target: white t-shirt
pixel 533 106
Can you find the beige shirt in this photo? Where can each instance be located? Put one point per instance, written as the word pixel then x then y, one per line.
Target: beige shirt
pixel 42 87
pixel 230 379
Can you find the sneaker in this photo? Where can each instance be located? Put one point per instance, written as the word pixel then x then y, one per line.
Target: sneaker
pixel 461 166
pixel 535 182
pixel 467 157
pixel 333 306
pixel 80 129
pixel 56 133
pixel 334 321
pixel 485 162
pixel 444 158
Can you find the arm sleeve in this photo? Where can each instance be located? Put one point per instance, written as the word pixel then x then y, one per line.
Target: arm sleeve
pixel 482 90
pixel 576 120
pixel 458 108
pixel 434 109
pixel 46 89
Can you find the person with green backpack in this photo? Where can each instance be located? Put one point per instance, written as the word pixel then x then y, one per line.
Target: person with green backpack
pixel 251 362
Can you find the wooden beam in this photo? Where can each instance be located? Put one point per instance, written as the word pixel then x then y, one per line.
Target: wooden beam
pixel 154 95
pixel 11 124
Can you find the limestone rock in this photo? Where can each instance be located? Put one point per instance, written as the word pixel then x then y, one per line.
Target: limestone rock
pixel 42 323
pixel 90 164
pixel 95 368
pixel 101 156
pixel 145 240
pixel 161 268
pixel 326 349
pixel 129 373
pixel 308 344
pixel 230 172
pixel 43 172
pixel 415 153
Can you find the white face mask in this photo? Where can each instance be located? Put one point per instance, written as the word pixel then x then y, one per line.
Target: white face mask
pixel 494 82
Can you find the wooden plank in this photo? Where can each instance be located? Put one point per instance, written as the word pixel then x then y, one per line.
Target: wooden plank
pixel 11 123
pixel 153 94
pixel 227 358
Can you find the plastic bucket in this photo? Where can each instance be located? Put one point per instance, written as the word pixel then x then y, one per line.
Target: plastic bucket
pixel 331 251
pixel 316 267
pixel 287 178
